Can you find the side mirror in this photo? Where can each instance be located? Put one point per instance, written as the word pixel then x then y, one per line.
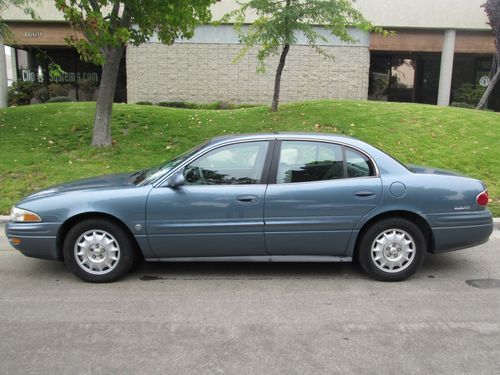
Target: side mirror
pixel 177 180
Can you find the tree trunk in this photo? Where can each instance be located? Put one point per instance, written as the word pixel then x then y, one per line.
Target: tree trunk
pixel 277 78
pixel 102 119
pixel 483 103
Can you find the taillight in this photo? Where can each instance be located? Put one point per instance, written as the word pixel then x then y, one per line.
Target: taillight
pixel 482 199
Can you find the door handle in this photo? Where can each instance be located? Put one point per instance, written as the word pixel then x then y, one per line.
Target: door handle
pixel 247 198
pixel 364 193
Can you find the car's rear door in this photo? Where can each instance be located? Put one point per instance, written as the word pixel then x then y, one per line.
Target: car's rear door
pixel 318 191
pixel 220 209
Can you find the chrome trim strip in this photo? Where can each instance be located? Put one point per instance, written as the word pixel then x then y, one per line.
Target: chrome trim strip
pixel 260 258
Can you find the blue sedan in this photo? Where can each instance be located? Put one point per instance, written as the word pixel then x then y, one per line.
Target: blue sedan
pixel 264 197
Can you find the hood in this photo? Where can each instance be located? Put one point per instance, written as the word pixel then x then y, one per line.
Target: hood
pixel 101 182
pixel 426 170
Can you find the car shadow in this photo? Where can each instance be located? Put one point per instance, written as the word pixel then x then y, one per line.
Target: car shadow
pixel 147 271
pixel 453 262
pixel 434 266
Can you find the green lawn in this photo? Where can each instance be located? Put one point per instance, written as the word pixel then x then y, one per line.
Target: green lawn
pixel 49 143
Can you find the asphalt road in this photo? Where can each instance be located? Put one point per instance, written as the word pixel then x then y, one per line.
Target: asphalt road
pixel 252 318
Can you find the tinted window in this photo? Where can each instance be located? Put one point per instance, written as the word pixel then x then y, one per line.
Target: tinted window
pixel 358 164
pixel 302 161
pixel 229 165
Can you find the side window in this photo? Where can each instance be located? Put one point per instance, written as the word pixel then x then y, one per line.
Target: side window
pixel 236 164
pixel 358 164
pixel 303 161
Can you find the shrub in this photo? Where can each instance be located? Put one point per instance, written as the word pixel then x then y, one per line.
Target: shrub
pixel 173 104
pixel 144 103
pixel 41 94
pixel 462 105
pixel 60 99
pixel 21 92
pixel 87 85
pixel 56 89
pixel 224 105
pixel 468 94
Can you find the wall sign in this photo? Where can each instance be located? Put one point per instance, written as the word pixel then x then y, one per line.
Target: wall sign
pixel 64 77
pixel 484 81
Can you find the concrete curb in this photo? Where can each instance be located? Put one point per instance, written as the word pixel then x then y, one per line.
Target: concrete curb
pixel 496 221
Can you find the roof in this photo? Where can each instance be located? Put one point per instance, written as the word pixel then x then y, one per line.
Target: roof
pixel 283 135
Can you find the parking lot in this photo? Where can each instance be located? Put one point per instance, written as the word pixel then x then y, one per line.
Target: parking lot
pixel 252 318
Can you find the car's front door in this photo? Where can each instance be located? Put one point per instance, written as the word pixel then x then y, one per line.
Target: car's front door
pixel 219 211
pixel 321 191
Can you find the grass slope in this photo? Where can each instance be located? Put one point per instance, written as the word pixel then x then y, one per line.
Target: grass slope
pixel 46 144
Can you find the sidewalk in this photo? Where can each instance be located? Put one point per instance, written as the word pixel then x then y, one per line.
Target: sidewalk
pixel 4 219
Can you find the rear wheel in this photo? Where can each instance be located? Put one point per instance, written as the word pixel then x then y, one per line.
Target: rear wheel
pixel 392 249
pixel 98 251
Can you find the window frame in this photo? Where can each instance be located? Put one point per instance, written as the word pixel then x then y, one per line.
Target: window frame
pixel 265 170
pixel 344 153
pixel 273 172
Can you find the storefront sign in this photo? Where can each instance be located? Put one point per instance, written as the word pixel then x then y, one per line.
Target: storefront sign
pixel 65 77
pixel 72 77
pixel 39 34
pixel 28 75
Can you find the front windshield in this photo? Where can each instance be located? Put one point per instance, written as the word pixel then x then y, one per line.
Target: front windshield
pixel 149 175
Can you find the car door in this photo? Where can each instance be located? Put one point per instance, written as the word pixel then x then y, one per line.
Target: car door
pixel 317 193
pixel 219 211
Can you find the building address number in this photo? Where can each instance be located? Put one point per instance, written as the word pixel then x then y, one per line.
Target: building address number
pixel 33 34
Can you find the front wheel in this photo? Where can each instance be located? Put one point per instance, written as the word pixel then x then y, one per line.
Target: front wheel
pixel 98 251
pixel 392 249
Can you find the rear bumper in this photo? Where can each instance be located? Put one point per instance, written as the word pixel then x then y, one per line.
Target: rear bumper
pixel 460 230
pixel 37 240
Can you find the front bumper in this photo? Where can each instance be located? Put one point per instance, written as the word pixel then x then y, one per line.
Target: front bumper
pixel 457 231
pixel 37 240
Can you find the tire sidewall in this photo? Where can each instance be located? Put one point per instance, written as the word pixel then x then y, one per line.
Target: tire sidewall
pixel 125 243
pixel 365 245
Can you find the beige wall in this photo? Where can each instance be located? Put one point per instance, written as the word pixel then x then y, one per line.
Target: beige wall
pixel 205 73
pixel 44 9
pixel 459 14
pixel 443 14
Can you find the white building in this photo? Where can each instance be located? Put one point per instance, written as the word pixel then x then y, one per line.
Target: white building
pixel 438 46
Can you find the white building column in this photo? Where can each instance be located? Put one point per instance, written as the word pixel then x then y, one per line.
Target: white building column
pixel 3 76
pixel 13 67
pixel 446 71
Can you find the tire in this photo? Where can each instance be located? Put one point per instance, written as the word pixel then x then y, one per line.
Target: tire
pixel 391 249
pixel 98 251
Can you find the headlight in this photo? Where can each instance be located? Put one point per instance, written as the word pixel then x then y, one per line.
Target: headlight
pixel 24 216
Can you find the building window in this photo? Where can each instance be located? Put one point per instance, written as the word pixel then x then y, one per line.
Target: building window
pixel 78 80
